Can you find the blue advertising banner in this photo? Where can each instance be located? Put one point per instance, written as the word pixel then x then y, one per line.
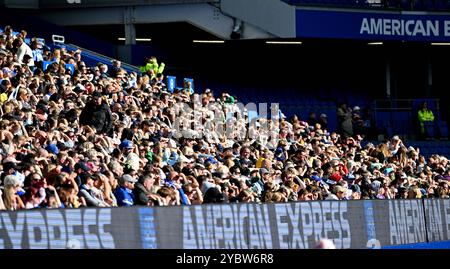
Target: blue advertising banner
pixel 373 26
pixel 171 83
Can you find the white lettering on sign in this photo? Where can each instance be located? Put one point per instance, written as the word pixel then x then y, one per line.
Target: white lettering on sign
pixel 227 226
pixel 406 222
pixel 434 220
pixel 446 206
pixel 57 235
pixel 446 28
pixel 53 229
pixel 13 232
pixel 400 27
pixel 300 225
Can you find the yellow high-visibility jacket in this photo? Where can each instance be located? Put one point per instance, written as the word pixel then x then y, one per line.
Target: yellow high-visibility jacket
pixel 425 115
pixel 157 68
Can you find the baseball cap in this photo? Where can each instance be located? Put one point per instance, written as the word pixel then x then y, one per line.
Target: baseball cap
pixel 126 144
pixel 83 166
pixel 335 177
pixel 52 148
pixel 387 170
pixel 211 160
pixel 350 177
pixel 263 171
pixel 127 178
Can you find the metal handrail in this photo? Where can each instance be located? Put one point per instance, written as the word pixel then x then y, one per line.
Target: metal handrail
pixel 402 101
pixel 124 65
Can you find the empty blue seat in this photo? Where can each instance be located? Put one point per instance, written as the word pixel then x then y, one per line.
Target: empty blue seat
pixel 429 129
pixel 405 4
pixel 443 129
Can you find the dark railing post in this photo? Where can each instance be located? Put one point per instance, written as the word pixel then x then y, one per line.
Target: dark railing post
pixel 425 220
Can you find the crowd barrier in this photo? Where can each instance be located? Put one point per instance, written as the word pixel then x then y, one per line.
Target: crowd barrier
pixel 350 224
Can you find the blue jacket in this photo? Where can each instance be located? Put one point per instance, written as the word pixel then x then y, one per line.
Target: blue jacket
pixel 124 196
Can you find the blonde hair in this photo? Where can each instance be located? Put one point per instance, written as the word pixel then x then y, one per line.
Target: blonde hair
pixel 9 195
pixel 414 193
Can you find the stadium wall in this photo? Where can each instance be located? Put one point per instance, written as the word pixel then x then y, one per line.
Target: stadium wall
pixel 351 224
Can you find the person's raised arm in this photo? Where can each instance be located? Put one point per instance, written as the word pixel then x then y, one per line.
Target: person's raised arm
pixel 106 189
pixel 19 201
pixel 58 201
pixel 2 205
pixel 109 122
pixel 73 181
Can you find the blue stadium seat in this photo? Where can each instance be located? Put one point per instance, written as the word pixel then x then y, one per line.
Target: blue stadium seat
pixel 429 4
pixel 405 4
pixel 440 4
pixel 429 129
pixel 71 67
pixel 45 64
pixel 443 129
pixel 171 83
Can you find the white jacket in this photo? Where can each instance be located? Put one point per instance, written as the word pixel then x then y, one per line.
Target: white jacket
pixel 23 50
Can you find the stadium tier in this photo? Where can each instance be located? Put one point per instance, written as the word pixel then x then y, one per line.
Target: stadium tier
pixel 98 153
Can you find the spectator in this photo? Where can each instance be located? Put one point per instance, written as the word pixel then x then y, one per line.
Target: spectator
pixel 124 193
pixel 11 200
pixel 69 197
pixel 116 67
pixel 22 50
pixel 103 184
pixel 152 68
pixel 358 121
pixel 312 119
pixel 425 116
pixel 323 121
pixel 143 190
pixel 83 138
pixel 92 195
pixel 345 125
pixel 37 53
pixel 97 115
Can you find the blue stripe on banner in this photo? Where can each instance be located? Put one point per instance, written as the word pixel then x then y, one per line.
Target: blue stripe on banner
pixel 370 223
pixel 148 231
pixel 431 245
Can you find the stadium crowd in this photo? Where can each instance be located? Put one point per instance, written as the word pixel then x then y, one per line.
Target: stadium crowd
pixel 103 137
